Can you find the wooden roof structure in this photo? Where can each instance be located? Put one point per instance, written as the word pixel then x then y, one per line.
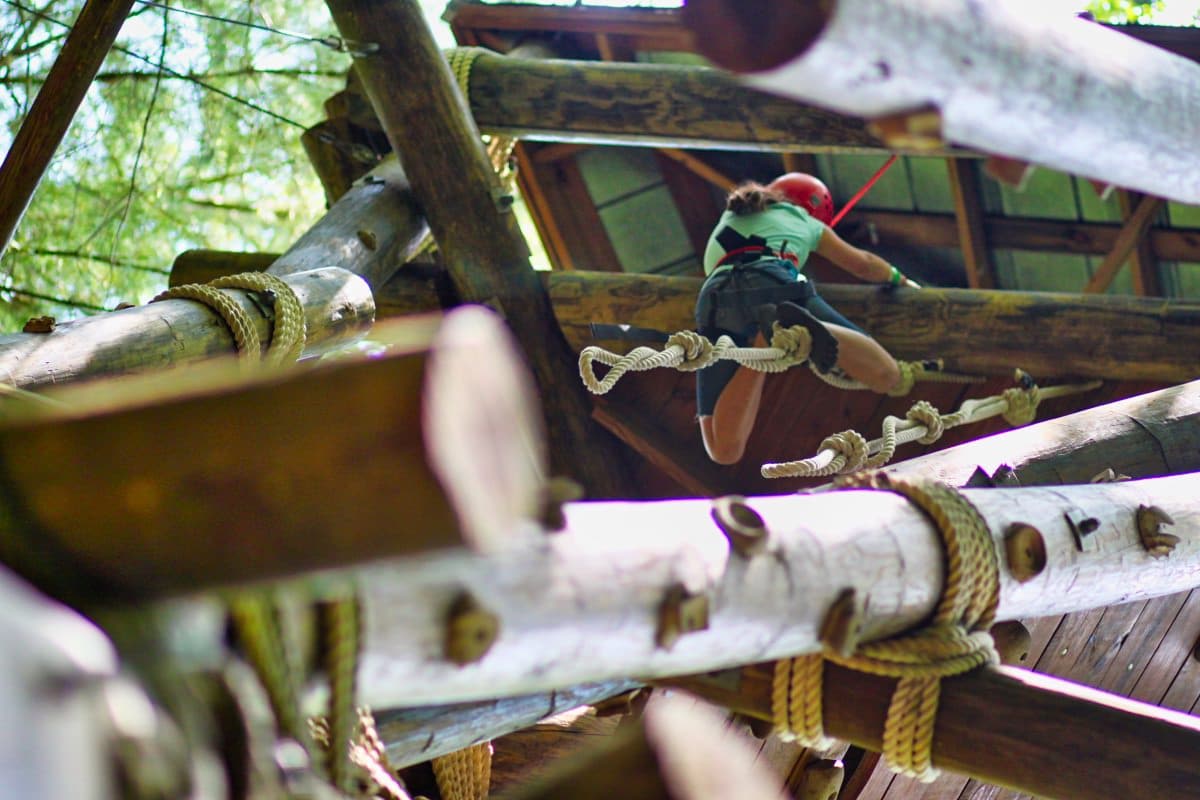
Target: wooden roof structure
pixel 623 194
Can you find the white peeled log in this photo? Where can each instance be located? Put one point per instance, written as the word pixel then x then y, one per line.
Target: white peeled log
pixel 1060 92
pixel 583 605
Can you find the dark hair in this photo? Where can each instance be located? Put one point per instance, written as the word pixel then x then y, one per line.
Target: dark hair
pixel 751 197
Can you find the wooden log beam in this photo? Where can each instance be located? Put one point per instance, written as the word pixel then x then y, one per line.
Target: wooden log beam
pixel 44 126
pixel 981 68
pixel 1143 265
pixel 1133 230
pixel 413 735
pixel 1084 238
pixel 171 483
pixel 683 462
pixel 968 214
pixel 1152 434
pixel 338 309
pixel 589 603
pixel 1008 727
pixel 658 105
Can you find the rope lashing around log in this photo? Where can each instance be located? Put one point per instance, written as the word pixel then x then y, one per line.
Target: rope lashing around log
pixel 499 148
pixel 956 639
pixel 288 331
pixel 465 774
pixel 688 351
pixel 849 451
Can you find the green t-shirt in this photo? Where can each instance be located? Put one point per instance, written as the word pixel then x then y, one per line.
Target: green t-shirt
pixel 787 228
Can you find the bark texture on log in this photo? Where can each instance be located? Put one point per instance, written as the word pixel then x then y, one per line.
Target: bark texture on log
pixel 984 67
pixel 338 308
pixel 428 124
pixel 1008 727
pixel 1143 436
pixel 586 604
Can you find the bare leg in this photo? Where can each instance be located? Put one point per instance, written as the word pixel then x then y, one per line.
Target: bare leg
pixel 727 429
pixel 864 359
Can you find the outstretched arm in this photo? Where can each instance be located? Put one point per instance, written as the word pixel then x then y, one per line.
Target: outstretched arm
pixel 859 262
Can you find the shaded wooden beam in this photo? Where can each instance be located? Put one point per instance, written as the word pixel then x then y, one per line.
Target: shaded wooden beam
pixel 1142 264
pixel 202 266
pixel 644 29
pixel 1008 727
pixel 693 197
pixel 174 483
pixel 799 162
pixel 43 128
pixel 657 105
pixel 914 52
pixel 968 214
pixel 685 463
pixel 477 234
pixel 330 148
pixel 1132 232
pixel 699 167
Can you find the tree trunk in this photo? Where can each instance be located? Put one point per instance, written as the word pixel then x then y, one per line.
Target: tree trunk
pixel 983 68
pixel 586 605
pixel 977 332
pixel 1032 733
pixel 338 308
pixel 429 127
pixel 1143 436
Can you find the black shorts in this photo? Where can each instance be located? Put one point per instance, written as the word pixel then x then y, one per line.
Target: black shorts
pixel 767 281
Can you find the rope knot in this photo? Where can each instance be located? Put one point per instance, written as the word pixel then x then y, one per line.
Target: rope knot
pixel 698 352
pixel 923 413
pixel 850 445
pixel 795 342
pixel 1022 405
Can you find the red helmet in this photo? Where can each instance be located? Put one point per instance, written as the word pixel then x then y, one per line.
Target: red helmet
pixel 806 191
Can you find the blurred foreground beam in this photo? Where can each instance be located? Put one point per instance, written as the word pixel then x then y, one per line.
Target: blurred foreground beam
pixel 979 69
pixel 653 589
pixel 1006 726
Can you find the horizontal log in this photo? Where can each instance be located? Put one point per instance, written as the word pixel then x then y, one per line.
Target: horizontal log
pixel 982 68
pixel 172 483
pixel 1031 733
pixel 585 605
pixel 979 332
pixel 1152 434
pixel 338 309
pixel 202 266
pixel 413 735
pixel 659 105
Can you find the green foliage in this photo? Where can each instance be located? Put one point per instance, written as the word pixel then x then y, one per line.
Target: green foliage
pixel 1126 12
pixel 154 165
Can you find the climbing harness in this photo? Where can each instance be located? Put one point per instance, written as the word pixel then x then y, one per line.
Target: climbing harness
pixel 288 331
pixel 954 641
pixel 849 451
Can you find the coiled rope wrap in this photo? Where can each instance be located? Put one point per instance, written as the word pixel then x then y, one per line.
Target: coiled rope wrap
pixel 465 774
pixel 956 640
pixel 849 451
pixel 289 328
pixel 688 351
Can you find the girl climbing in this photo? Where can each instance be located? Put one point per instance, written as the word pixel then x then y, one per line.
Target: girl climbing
pixel 755 262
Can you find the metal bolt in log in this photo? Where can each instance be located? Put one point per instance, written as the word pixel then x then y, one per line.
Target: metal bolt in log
pixel 741 524
pixel 842 628
pixel 1012 640
pixel 1150 520
pixel 1024 551
pixel 681 612
pixel 471 630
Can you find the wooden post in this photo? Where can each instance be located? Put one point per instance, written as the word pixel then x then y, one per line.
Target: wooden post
pixel 981 67
pixel 1151 434
pixel 44 126
pixel 338 308
pixel 968 214
pixel 429 126
pixel 1008 727
pixel 590 602
pixel 1131 235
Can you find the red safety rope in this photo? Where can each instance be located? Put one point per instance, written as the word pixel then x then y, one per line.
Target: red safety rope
pixel 866 188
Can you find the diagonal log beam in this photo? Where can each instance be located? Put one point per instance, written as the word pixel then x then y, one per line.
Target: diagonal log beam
pixel 1007 727
pixel 1131 235
pixel 428 125
pixel 587 604
pixel 982 68
pixel 91 36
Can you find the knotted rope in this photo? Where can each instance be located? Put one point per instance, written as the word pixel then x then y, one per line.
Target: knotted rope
pixel 956 640
pixel 849 451
pixel 288 330
pixel 688 351
pixel 465 774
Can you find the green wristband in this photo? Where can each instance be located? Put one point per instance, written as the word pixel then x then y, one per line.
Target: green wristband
pixel 895 277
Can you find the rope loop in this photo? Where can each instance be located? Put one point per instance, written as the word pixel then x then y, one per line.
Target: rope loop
pixel 923 413
pixel 849 446
pixel 1022 405
pixel 956 639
